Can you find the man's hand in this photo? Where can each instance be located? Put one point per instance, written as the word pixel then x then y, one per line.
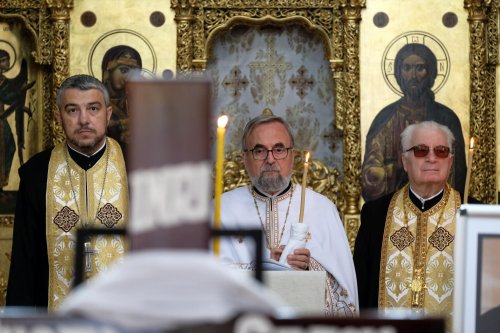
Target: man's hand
pixel 299 260
pixel 276 252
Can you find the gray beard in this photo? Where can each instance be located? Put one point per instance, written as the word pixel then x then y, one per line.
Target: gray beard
pixel 271 185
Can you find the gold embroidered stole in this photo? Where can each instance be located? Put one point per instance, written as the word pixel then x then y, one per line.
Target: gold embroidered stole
pixel 101 195
pixel 416 266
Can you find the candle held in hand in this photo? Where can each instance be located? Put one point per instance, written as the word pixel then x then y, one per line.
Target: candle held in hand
pixel 304 186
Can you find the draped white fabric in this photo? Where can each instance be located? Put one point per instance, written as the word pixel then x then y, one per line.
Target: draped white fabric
pixel 284 69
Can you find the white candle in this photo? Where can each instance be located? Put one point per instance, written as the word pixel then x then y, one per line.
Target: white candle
pixel 469 170
pixel 219 170
pixel 304 186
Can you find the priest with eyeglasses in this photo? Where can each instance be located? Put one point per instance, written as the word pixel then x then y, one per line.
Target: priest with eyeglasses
pixel 272 203
pixel 404 248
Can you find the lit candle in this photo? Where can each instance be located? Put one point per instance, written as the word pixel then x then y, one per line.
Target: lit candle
pixel 219 170
pixel 469 170
pixel 304 185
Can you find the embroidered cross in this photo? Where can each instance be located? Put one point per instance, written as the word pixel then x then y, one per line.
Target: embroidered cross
pixel 66 218
pixel 270 64
pixel 402 238
pixel 235 82
pixel 109 215
pixel 441 238
pixel 88 260
pixel 301 82
pixel 417 285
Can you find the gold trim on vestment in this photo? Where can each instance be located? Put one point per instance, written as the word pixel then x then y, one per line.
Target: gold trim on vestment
pixel 96 198
pixel 417 253
pixel 336 297
pixel 272 223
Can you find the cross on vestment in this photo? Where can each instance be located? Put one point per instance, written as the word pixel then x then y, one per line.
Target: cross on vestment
pixel 417 285
pixel 88 252
pixel 235 81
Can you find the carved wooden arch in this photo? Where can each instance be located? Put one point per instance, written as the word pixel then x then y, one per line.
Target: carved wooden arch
pixel 264 21
pixel 337 22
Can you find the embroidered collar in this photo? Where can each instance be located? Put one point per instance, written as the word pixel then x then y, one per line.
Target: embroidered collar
pixel 425 203
pixel 266 195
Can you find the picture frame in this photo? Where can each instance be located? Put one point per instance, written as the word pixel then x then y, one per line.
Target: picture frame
pixel 476 294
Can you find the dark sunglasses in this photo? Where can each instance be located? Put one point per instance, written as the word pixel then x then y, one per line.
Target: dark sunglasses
pixel 423 150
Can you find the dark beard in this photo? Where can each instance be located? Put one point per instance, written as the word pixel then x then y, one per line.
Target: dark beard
pixel 417 91
pixel 413 89
pixel 87 148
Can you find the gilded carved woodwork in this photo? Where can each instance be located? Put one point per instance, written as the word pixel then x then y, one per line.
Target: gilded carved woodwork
pixel 483 38
pixel 352 135
pixel 6 224
pixel 47 24
pixel 60 11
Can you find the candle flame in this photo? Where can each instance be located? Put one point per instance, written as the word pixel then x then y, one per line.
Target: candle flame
pixel 471 142
pixel 307 157
pixel 222 121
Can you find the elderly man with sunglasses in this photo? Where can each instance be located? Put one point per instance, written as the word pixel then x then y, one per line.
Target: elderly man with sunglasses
pixel 404 248
pixel 272 203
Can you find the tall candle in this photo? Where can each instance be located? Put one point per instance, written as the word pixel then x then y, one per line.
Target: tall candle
pixel 304 186
pixel 219 170
pixel 469 170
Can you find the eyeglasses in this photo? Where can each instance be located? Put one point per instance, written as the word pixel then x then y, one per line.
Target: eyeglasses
pixel 260 153
pixel 423 150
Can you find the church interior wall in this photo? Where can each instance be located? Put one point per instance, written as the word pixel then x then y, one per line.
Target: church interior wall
pixel 81 31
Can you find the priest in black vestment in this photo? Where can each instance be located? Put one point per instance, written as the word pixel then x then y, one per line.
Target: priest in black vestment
pixel 79 183
pixel 404 249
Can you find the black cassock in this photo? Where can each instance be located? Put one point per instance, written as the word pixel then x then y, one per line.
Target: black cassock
pixel 29 275
pixel 29 267
pixel 368 246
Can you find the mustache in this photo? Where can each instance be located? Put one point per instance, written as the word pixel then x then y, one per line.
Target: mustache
pixel 86 128
pixel 269 167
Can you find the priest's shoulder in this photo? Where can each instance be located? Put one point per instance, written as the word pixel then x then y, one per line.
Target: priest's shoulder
pixel 381 203
pixel 317 197
pixel 236 193
pixel 470 200
pixel 37 164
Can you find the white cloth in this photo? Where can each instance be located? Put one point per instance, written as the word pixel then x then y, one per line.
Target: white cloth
pixel 162 289
pixel 327 241
pixel 298 240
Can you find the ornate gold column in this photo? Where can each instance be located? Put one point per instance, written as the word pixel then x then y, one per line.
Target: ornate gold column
pixel 351 11
pixel 184 19
pixel 59 10
pixel 483 101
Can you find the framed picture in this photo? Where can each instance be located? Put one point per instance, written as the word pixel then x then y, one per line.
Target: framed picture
pixel 477 269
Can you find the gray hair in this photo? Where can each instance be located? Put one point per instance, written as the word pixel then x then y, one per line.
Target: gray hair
pixel 407 134
pixel 263 119
pixel 81 82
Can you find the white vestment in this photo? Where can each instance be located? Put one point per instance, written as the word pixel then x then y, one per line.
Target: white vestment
pixel 327 239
